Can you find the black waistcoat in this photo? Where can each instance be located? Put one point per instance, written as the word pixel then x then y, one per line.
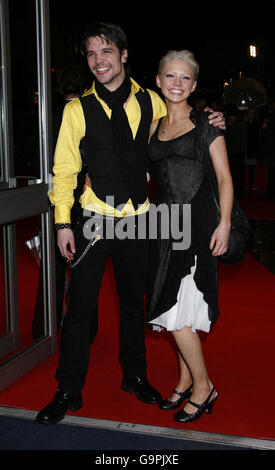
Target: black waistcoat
pixel 103 165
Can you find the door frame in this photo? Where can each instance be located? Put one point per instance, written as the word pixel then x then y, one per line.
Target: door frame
pixel 21 203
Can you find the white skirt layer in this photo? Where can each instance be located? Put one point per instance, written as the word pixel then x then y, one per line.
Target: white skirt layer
pixel 190 310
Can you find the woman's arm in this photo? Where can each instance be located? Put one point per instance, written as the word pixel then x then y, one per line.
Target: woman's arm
pixel 220 237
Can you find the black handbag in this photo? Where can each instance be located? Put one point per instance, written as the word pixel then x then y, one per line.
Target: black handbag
pixel 240 232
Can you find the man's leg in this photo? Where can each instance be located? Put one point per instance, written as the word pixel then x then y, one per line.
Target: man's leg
pixel 76 331
pixel 78 322
pixel 130 258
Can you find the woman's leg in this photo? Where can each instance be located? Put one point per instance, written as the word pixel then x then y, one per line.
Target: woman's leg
pixel 189 345
pixel 185 379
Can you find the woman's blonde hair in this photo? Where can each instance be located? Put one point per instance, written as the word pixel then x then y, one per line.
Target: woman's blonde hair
pixel 185 55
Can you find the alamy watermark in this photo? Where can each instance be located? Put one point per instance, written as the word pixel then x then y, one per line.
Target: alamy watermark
pixel 161 221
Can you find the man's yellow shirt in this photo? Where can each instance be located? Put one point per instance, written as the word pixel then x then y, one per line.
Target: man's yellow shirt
pixel 68 162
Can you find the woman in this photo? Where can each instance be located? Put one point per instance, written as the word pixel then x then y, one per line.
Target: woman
pixel 183 296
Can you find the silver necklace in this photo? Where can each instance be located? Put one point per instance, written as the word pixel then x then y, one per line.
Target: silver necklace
pixel 163 130
pixel 184 117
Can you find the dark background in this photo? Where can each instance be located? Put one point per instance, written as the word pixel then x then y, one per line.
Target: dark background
pixel 218 35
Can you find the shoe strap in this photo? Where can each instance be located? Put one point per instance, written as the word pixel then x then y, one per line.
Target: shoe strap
pixel 195 404
pixel 205 403
pixel 181 394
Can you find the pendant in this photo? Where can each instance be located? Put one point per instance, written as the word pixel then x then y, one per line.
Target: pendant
pixel 163 131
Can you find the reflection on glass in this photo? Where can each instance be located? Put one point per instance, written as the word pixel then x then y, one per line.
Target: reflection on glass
pixel 24 90
pixel 30 280
pixel 1 110
pixel 3 320
pixel 29 286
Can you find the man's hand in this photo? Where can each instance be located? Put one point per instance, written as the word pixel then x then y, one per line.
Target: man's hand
pixel 65 241
pixel 216 118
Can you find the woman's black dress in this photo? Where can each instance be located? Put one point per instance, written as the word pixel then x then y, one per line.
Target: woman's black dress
pixel 180 179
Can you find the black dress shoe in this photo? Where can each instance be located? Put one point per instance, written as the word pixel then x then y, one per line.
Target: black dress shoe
pixel 206 407
pixel 143 390
pixel 56 410
pixel 172 405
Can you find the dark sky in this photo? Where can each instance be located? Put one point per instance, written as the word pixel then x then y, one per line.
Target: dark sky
pixel 219 36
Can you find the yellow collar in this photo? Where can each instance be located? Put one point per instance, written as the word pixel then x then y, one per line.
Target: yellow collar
pixel 135 88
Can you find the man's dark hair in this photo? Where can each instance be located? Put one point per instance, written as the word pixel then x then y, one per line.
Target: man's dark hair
pixel 108 31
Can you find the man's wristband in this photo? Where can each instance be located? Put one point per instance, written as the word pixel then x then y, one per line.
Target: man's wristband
pixel 61 226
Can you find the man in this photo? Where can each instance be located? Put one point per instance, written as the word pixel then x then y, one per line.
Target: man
pixel 111 124
pixel 72 82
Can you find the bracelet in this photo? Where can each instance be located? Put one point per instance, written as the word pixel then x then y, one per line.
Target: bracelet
pixel 61 226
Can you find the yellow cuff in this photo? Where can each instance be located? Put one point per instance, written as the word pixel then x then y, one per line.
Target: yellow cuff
pixel 62 215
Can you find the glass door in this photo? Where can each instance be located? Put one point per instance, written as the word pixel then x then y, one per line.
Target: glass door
pixel 27 283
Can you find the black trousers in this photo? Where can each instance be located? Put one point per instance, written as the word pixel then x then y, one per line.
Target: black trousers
pixel 130 261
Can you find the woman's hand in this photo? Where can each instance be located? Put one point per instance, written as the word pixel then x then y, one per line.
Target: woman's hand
pixel 219 239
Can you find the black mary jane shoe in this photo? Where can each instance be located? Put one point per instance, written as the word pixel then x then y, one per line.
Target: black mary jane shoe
pixel 182 417
pixel 172 405
pixel 58 407
pixel 142 388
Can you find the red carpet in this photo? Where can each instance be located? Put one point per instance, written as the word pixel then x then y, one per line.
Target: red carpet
pixel 239 354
